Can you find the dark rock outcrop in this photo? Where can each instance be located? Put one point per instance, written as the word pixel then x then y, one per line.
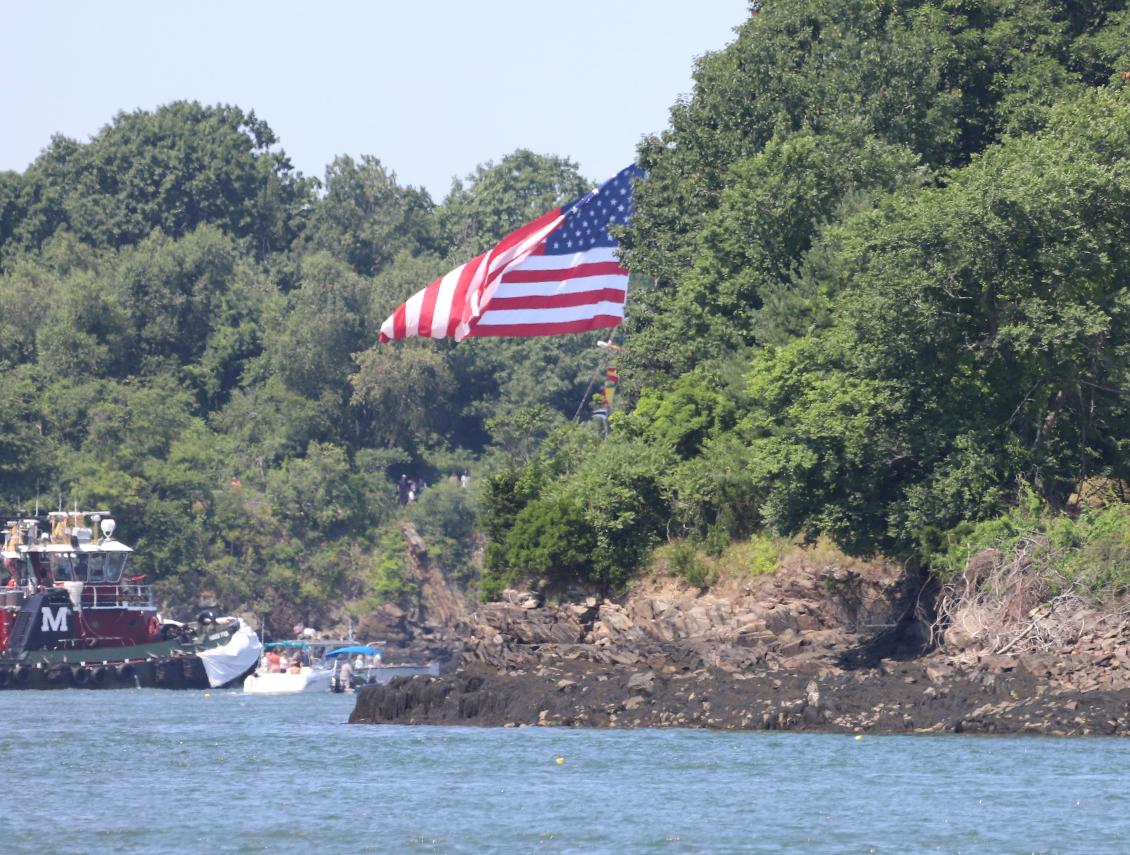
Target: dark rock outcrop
pixel 813 647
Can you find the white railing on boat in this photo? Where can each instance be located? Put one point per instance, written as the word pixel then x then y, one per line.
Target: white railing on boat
pixel 93 596
pixel 117 596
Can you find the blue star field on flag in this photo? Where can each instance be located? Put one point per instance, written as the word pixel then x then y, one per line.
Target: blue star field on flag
pixel 587 219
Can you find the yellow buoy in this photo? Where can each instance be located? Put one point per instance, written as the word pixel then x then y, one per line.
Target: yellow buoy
pixel 858 737
pixel 560 761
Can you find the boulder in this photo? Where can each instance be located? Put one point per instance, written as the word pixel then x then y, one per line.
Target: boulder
pixel 642 682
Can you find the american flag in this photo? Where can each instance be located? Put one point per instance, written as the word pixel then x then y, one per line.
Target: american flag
pixel 557 274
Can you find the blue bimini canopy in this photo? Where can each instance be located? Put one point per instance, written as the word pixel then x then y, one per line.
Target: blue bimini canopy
pixel 364 650
pixel 271 644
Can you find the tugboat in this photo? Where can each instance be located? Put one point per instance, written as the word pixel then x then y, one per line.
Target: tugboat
pixel 71 617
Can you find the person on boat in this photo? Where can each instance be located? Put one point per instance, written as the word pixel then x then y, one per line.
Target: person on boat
pixel 274 666
pixel 345 674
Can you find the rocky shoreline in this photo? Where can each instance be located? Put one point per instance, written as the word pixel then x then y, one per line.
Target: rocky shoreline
pixel 813 647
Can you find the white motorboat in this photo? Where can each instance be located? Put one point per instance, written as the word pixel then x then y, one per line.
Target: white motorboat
pixel 305 679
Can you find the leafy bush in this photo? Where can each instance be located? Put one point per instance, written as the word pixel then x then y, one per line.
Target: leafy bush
pixel 1089 553
pixel 684 561
pixel 387 581
pixel 550 538
pixel 445 517
pixel 625 503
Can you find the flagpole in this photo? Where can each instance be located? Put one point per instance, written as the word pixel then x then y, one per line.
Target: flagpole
pixel 588 391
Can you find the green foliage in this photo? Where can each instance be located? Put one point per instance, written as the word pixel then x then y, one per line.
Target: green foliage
pixel 445 517
pixel 388 580
pixel 1088 553
pixel 399 393
pixel 365 218
pixel 701 567
pixel 684 561
pixel 550 538
pixel 750 245
pixel 499 197
pixel 174 169
pixel 620 487
pixel 26 461
pixel 969 348
pixel 879 290
pixel 814 102
pixel 315 494
pixel 310 339
pixel 698 406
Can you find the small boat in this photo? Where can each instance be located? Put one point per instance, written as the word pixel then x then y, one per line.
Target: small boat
pixel 71 617
pixel 370 670
pixel 353 665
pixel 315 677
pixel 334 666
pixel 305 679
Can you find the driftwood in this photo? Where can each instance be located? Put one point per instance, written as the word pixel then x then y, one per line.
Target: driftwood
pixel 1015 604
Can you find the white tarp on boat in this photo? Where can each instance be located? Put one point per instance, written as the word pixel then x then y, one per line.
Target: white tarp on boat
pixel 239 655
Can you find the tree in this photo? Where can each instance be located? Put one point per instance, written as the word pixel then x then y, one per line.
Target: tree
pixel 497 198
pixel 28 460
pixel 365 218
pixel 979 343
pixel 312 334
pixel 401 390
pixel 752 244
pixel 11 209
pixel 920 80
pixel 174 169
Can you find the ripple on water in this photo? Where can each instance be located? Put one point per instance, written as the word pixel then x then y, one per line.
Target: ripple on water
pixel 151 770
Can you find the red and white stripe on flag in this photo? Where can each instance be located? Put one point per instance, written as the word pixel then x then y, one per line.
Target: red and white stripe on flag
pixel 449 303
pixel 556 294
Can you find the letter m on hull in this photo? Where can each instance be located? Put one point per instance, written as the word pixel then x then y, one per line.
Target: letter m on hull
pixel 54 620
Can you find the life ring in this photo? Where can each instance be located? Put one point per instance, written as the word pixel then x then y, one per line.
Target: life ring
pixel 5 677
pixel 81 675
pixel 98 675
pixel 22 674
pixel 154 626
pixel 124 671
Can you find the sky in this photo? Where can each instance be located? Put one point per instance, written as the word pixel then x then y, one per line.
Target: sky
pixel 433 89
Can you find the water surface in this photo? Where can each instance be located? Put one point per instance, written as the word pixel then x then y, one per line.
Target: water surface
pixel 161 771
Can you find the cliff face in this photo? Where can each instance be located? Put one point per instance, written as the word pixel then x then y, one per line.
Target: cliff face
pixel 808 614
pixel 426 629
pixel 815 646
